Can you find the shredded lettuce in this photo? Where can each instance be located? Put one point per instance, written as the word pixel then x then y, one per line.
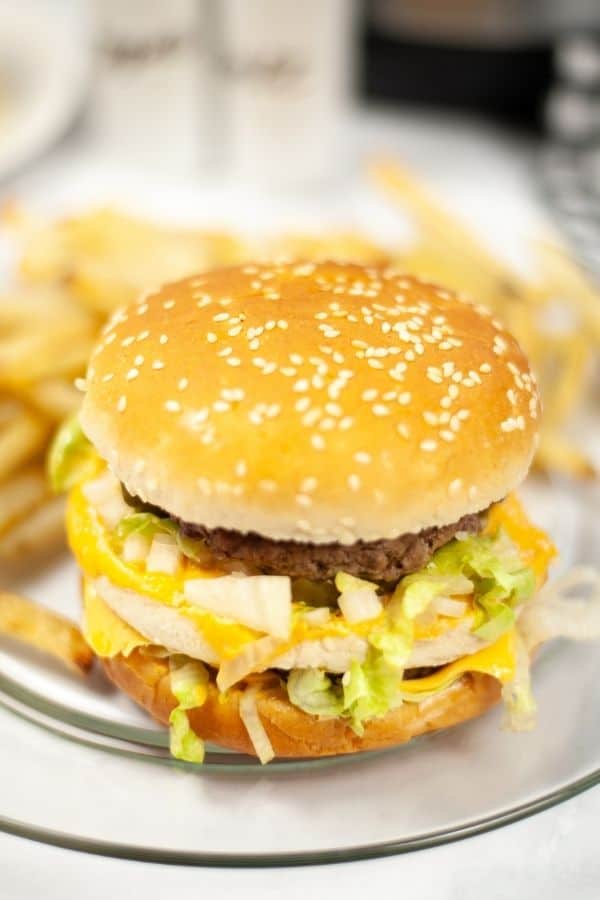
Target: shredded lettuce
pixel 519 703
pixel 149 524
pixel 346 582
pixel 315 692
pixel 417 591
pixel 500 580
pixel 368 689
pixel 71 458
pixel 189 685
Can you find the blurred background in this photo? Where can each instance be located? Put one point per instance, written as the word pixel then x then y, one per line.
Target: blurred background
pixel 143 140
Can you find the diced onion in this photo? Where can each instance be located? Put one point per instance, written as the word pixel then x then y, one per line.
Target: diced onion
pixel 254 657
pixel 358 605
pixel 136 548
pixel 447 606
pixel 164 555
pixel 255 728
pixel 556 612
pixel 318 616
pixel 104 493
pixel 262 602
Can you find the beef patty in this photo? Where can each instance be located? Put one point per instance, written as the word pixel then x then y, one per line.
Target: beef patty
pixel 383 560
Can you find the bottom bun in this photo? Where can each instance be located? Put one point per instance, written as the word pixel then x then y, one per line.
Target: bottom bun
pixel 291 731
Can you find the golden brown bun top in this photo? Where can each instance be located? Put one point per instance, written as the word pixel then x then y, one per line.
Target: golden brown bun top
pixel 316 402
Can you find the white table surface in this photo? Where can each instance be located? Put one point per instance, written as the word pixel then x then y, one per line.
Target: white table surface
pixel 551 855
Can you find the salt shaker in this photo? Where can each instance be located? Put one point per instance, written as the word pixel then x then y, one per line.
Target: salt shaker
pixel 151 94
pixel 286 74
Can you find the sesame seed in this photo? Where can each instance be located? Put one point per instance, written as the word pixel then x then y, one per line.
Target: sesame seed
pixel 172 406
pixel 233 361
pixel 369 394
pixel 303 500
pixel 128 341
pixel 108 377
pixel 182 384
pixel 221 406
pixel 346 423
pixel 428 445
pixel 302 404
pixel 158 364
pixel 133 373
pixel 362 457
pixel 168 304
pixel 380 409
pixel 485 368
pixel 240 468
pixel 211 337
pixel 143 335
pixel 221 317
pixel 308 484
pixel 455 486
pixel 301 385
pixel 404 398
pixel 199 416
pixel 317 441
pixel 311 417
pixel 354 482
pixel 375 363
pixel 122 403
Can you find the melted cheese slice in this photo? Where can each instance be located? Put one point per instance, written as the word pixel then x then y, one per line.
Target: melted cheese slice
pixel 497 660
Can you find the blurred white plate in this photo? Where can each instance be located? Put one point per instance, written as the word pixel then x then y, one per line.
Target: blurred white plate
pixel 44 66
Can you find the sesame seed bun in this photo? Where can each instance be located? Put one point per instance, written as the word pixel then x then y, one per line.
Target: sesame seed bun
pixel 311 402
pixel 291 731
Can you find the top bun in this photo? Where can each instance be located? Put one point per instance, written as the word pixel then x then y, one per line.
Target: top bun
pixel 315 402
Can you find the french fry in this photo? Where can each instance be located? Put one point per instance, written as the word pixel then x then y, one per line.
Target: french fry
pixel 20 494
pixel 47 631
pixel 55 398
pixel 20 440
pixel 40 532
pixel 32 355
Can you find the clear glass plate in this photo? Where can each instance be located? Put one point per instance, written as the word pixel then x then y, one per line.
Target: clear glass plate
pixel 84 768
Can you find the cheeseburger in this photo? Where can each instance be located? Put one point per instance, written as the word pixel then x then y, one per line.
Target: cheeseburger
pixel 291 498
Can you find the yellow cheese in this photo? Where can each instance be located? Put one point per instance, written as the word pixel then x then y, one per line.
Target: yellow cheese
pixel 497 660
pixel 535 547
pixel 106 633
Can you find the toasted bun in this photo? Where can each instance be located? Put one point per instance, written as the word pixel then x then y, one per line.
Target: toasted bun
pixel 313 402
pixel 291 731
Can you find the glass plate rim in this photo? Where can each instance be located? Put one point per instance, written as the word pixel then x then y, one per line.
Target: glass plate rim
pixel 283 859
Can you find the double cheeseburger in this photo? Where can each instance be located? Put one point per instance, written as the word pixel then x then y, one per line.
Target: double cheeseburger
pixel 292 503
